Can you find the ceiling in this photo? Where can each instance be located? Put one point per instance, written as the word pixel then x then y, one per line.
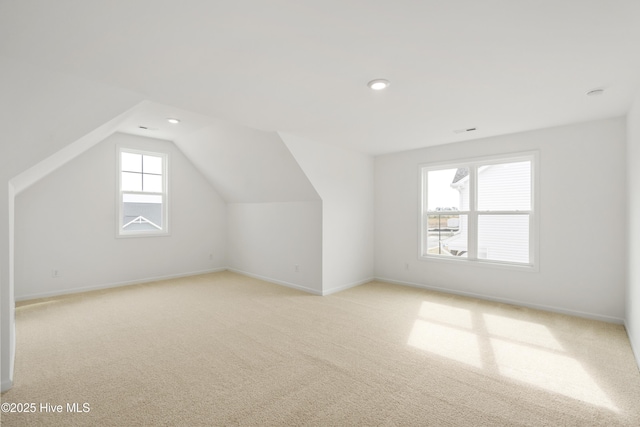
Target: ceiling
pixel 301 67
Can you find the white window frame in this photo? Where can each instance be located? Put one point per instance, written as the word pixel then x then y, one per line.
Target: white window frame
pixel 164 230
pixel 473 213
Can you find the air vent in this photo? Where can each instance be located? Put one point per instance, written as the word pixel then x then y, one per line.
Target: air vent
pixel 146 128
pixel 464 130
pixel 595 92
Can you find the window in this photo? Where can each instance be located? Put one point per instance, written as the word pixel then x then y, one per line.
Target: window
pixel 142 196
pixel 480 210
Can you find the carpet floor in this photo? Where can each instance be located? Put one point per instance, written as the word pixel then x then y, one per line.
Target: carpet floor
pixel 224 349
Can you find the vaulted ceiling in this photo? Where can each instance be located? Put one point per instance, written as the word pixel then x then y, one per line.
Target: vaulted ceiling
pixel 301 67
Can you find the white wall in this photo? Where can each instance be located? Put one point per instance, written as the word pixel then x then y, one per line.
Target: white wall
pixel 632 320
pixel 582 266
pixel 67 222
pixel 7 313
pixel 344 181
pixel 274 213
pixel 268 240
pixel 40 112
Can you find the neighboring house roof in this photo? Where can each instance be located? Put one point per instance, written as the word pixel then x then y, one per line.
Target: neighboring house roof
pixel 141 220
pixel 460 173
pixel 142 216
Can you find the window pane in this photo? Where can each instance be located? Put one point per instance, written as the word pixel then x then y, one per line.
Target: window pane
pixel 131 162
pixel 446 234
pixel 142 212
pixel 131 181
pixel 152 164
pixel 152 183
pixel 505 187
pixel 448 190
pixel 503 238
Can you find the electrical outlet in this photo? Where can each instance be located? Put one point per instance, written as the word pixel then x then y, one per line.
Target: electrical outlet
pixel 55 273
pixel 296 268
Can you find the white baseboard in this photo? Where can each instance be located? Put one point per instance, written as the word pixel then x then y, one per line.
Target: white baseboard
pixel 113 285
pixel 277 282
pixel 345 287
pixel 76 290
pixel 6 385
pixel 300 287
pixel 603 318
pixel 635 349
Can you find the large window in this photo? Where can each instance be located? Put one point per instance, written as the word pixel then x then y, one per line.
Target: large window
pixel 480 210
pixel 142 196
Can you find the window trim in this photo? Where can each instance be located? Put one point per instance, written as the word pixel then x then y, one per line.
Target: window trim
pixel 165 231
pixel 474 214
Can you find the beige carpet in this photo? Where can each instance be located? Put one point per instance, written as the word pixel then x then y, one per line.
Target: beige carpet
pixel 223 349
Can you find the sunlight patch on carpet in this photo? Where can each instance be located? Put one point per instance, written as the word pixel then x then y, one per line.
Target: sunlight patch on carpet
pixel 452 343
pixel 442 313
pixel 517 349
pixel 549 370
pixel 521 331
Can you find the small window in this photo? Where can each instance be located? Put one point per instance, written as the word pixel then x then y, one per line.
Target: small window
pixel 142 195
pixel 479 210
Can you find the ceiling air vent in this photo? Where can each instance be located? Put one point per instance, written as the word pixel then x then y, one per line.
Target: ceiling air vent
pixel 464 130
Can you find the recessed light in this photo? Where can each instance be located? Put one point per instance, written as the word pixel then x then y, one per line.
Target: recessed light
pixel 595 92
pixel 378 84
pixel 173 121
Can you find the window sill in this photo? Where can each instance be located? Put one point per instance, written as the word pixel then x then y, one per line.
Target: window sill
pixel 131 235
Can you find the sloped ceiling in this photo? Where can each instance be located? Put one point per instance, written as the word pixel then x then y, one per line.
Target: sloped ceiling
pixel 246 165
pixel 500 66
pixel 43 112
